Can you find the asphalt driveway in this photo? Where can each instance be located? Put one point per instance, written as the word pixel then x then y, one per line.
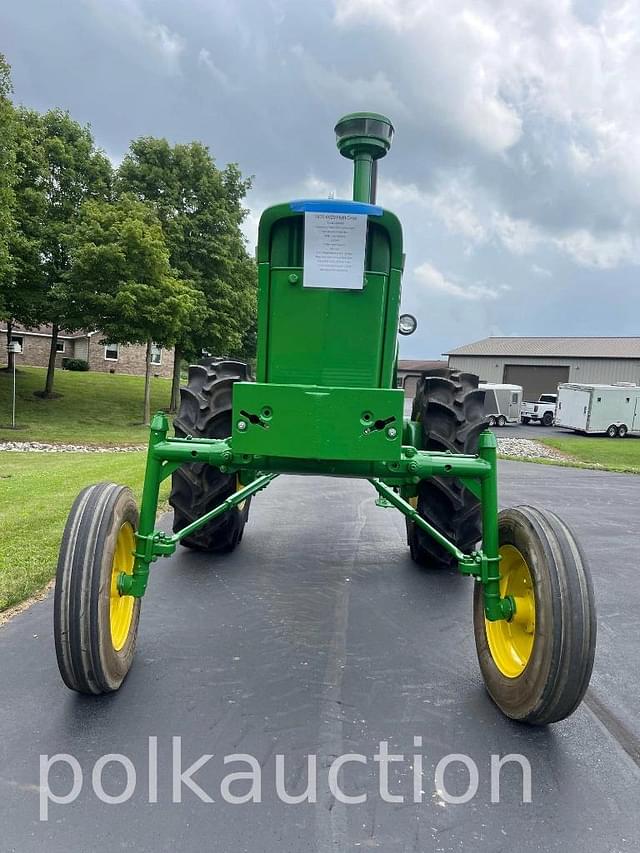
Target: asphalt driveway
pixel 319 636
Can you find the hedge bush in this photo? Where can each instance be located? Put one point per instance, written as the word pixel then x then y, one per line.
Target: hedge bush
pixel 75 364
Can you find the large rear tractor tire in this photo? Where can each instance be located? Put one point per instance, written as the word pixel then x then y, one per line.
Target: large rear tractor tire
pixel 95 628
pixel 205 412
pixel 450 408
pixel 537 665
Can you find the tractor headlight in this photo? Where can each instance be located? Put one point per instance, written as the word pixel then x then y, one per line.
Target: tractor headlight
pixel 407 324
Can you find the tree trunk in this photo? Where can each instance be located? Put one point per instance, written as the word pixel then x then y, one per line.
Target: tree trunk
pixel 48 388
pixel 11 356
pixel 147 386
pixel 175 380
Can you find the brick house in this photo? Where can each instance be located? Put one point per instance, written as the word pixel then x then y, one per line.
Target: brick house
pixel 90 346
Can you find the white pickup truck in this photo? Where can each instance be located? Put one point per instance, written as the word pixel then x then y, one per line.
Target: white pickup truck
pixel 544 410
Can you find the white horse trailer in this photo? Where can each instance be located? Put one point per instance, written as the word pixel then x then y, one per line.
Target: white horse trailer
pixel 612 410
pixel 502 403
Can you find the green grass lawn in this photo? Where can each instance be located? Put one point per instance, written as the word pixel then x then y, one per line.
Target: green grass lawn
pixel 94 408
pixel 36 493
pixel 614 454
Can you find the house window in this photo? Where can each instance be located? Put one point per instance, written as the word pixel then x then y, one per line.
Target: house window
pixel 111 352
pixel 59 346
pixel 18 339
pixel 156 354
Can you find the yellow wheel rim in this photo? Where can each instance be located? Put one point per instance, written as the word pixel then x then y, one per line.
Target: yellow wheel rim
pixel 121 606
pixel 511 643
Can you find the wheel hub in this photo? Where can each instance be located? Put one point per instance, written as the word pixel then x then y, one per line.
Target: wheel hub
pixel 511 642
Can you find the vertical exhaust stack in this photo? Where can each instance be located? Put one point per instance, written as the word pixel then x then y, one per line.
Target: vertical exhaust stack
pixel 364 138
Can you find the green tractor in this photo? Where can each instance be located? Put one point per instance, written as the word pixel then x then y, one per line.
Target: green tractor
pixel 325 402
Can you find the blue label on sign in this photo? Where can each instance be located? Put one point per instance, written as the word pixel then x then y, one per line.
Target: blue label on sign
pixel 334 205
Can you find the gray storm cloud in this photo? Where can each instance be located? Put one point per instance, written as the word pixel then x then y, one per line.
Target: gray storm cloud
pixel 517 130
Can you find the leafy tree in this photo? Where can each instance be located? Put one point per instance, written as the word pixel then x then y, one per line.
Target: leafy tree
pixel 72 172
pixel 23 291
pixel 7 183
pixel 200 209
pixel 120 270
pixel 249 343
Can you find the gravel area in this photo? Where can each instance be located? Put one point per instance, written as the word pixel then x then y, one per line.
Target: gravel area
pixel 526 448
pixel 39 447
pixel 522 447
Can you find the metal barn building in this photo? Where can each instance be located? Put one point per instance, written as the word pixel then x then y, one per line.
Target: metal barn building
pixel 539 364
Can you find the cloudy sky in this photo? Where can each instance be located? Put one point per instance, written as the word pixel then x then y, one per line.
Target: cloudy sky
pixel 516 164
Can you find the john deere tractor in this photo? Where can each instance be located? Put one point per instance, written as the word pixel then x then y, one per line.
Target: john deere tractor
pixel 325 402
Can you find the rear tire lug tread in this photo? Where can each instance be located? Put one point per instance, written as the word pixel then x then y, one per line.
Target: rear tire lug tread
pixel 198 487
pixel 451 422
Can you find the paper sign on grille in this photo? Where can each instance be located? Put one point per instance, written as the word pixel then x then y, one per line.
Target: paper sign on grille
pixel 334 249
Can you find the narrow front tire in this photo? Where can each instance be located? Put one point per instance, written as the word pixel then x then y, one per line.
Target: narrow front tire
pixel 95 628
pixel 537 666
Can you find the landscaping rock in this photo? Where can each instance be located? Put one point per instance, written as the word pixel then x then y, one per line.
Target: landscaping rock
pixel 40 447
pixel 528 449
pixel 522 447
